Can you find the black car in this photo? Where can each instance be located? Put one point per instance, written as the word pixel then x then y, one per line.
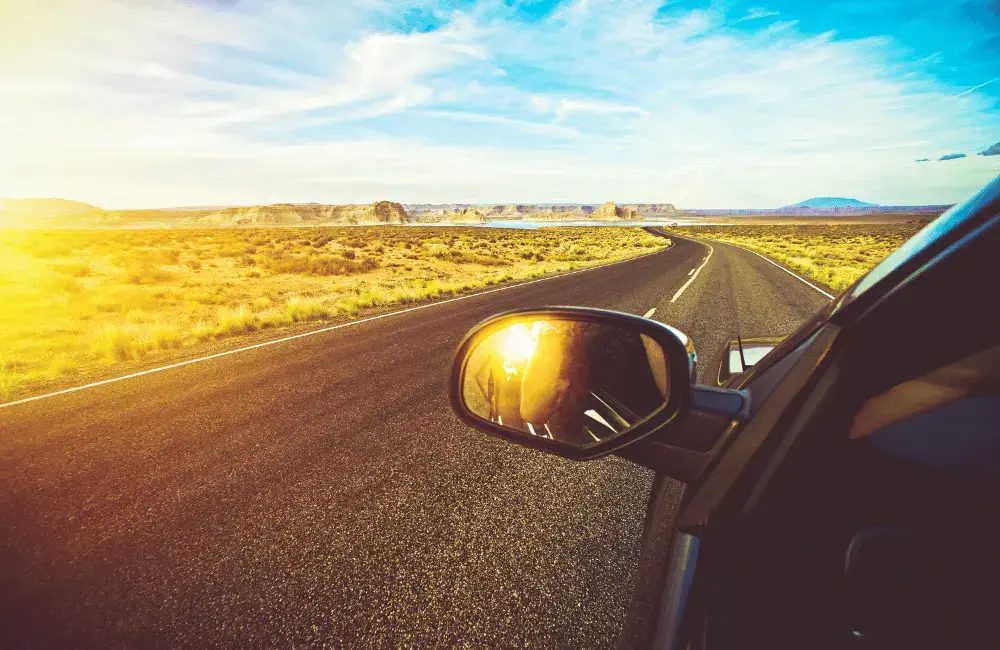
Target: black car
pixel 840 492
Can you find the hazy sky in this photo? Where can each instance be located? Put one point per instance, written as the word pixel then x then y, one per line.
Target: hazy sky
pixel 704 104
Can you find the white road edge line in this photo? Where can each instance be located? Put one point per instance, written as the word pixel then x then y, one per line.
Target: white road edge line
pixel 322 330
pixel 695 276
pixel 797 277
pixel 649 314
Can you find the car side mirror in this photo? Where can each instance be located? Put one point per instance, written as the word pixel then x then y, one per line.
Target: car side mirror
pixel 580 383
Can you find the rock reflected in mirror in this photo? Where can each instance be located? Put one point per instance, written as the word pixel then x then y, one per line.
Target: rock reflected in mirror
pixel 576 382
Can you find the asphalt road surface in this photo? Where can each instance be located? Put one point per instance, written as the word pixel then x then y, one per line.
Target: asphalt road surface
pixel 320 492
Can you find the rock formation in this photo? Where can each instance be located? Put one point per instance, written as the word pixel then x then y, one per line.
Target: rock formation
pixel 389 212
pixel 289 214
pixel 612 212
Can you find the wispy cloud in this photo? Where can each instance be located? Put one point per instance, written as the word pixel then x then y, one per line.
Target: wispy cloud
pixel 952 156
pixel 756 13
pixel 975 88
pixel 564 107
pixel 539 128
pixel 169 103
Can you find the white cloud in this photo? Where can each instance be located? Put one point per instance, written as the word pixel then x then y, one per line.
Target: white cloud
pixel 563 107
pixel 166 103
pixel 527 126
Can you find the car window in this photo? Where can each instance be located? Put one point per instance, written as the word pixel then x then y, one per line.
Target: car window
pixel 947 419
pixel 946 223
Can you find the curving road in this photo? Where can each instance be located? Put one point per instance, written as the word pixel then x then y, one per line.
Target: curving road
pixel 321 492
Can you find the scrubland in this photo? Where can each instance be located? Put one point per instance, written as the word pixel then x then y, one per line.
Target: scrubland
pixel 833 255
pixel 80 303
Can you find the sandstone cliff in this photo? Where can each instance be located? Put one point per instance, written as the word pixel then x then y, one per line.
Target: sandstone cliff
pixel 288 214
pixel 612 212
pixel 657 210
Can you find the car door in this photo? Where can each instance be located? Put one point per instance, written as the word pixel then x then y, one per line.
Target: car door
pixel 718 579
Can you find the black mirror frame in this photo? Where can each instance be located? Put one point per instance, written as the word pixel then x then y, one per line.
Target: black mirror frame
pixel 675 351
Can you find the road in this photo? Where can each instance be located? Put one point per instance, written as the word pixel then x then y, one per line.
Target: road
pixel 321 492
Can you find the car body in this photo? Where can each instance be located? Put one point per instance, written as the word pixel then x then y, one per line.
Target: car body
pixel 848 498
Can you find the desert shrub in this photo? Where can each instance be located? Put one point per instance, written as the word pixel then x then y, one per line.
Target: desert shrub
pixel 117 343
pixel 301 309
pixel 62 365
pixel 146 274
pixel 235 321
pixel 273 318
pixel 137 316
pixel 208 297
pixel 290 264
pixel 156 256
pixel 155 302
pixel 202 331
pixel 47 249
pixel 107 305
pixel 320 265
pixel 65 285
pixel 835 255
pixel 328 265
pixel 165 337
pixel 75 269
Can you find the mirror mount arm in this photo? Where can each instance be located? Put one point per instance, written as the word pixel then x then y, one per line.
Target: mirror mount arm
pixel 684 449
pixel 722 401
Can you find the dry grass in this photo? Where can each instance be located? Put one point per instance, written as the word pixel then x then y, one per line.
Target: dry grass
pixel 834 255
pixel 73 301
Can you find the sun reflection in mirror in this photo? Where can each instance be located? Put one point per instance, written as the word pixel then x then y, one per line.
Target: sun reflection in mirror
pixel 519 343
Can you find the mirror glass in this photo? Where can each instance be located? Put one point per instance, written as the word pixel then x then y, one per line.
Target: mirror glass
pixel 577 383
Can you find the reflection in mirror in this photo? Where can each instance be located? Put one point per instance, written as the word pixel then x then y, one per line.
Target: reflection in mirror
pixel 574 382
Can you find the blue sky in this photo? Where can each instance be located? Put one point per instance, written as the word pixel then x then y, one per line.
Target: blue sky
pixel 701 104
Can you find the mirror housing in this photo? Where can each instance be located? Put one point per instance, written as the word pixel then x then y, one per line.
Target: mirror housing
pixel 567 358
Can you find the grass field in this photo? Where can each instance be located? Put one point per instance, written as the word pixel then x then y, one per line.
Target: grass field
pixel 833 255
pixel 74 302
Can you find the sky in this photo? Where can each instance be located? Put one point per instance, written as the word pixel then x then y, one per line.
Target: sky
pixel 728 104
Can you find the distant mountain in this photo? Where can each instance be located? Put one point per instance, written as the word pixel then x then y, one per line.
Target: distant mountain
pixel 301 214
pixel 45 207
pixel 464 212
pixel 830 203
pixel 41 212
pixel 59 213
